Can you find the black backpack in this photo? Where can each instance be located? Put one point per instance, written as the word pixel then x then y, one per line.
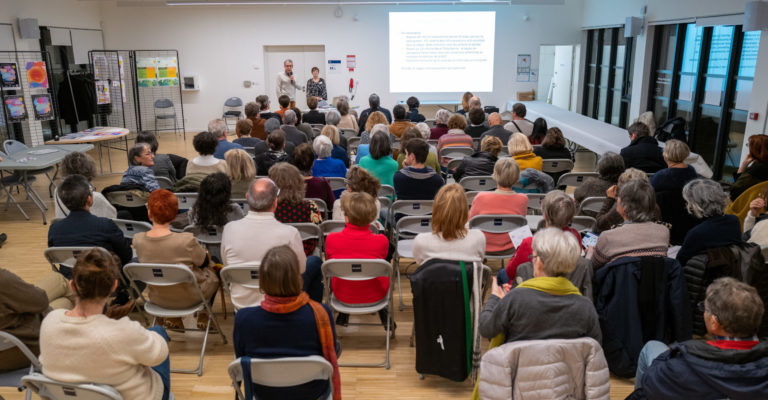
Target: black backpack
pixel 671 129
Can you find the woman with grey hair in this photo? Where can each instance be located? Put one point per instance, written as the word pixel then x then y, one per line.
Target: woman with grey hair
pixel 609 167
pixel 140 162
pixel 706 200
pixel 325 165
pixel 640 235
pixel 668 184
pixel 332 117
pixel 441 124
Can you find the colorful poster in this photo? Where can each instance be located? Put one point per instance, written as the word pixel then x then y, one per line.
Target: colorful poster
pixel 167 71
pixel 9 77
pixel 42 106
pixel 14 105
pixel 146 72
pixel 37 77
pixel 102 92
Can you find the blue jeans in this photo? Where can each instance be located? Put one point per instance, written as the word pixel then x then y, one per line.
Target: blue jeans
pixel 164 368
pixel 650 351
pixel 313 278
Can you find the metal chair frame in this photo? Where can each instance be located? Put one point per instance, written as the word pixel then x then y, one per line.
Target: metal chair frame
pixel 272 372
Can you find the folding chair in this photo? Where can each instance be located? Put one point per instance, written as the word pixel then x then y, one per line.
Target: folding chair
pixel 352 144
pixel 385 203
pixel 348 133
pixel 130 227
pixel 127 198
pixel 48 388
pixel 356 269
pixel 432 142
pixel 403 236
pixel 591 206
pixel 583 223
pixel 534 203
pixel 408 207
pixel 210 238
pixel 476 143
pixel 321 205
pixel 554 166
pixel 272 372
pixel 165 104
pixel 388 191
pixel 186 200
pixel 246 275
pixel 232 110
pixel 14 378
pixel 250 150
pixel 535 222
pixel 430 123
pixel 471 197
pixel 164 182
pixel 14 146
pixel 161 275
pixel 242 203
pixel 478 183
pixel 309 231
pixel 498 223
pixel 452 165
pixel 62 259
pixel 457 152
pixel 574 179
pixel 337 183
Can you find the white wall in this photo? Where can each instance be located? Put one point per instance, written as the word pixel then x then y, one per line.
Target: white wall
pixel 223 44
pixel 612 12
pixel 63 13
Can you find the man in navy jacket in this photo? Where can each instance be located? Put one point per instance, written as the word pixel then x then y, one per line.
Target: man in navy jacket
pixel 643 151
pixel 733 364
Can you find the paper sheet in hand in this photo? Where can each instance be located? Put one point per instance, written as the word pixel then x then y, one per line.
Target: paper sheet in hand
pixel 518 235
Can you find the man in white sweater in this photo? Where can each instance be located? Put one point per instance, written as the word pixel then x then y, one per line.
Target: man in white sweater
pixel 247 240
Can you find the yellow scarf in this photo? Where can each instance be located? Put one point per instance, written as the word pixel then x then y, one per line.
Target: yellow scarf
pixel 558 286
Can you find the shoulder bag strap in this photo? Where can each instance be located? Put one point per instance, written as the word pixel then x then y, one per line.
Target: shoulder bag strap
pixel 518 128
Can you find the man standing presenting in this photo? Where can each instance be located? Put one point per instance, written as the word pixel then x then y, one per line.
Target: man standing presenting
pixel 286 82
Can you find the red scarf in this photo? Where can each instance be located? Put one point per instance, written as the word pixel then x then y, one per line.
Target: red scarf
pixel 285 305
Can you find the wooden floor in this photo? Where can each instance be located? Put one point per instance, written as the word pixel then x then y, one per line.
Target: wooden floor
pixel 23 254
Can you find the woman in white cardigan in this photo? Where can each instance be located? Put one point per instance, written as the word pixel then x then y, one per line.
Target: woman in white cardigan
pixel 83 345
pixel 450 238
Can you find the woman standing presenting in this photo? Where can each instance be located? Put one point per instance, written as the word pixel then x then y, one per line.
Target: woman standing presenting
pixel 316 86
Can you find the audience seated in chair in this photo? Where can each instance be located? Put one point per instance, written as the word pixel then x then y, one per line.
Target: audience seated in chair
pixel 337 152
pixel 643 151
pixel 356 241
pixel 379 162
pixel 348 120
pixel 213 207
pixel 218 128
pixel 455 137
pixel 518 122
pixel 140 162
pixel 706 201
pixel 77 163
pixel 553 146
pixel 169 166
pixel 668 184
pixel 257 122
pixel 313 116
pixel 243 130
pixel 450 239
pixel 162 246
pixel 538 132
pixel 416 181
pixel 303 126
pixel 276 153
pixel 413 110
pixel 83 345
pixel 609 167
pixel 248 239
pixel 263 101
pixel 482 162
pixel 374 119
pixel 558 209
pixel 640 235
pixel 241 170
pixel 401 122
pixel 547 306
pixel 205 144
pixel 503 200
pixel 521 150
pixel 441 124
pixel 374 103
pixel 496 129
pixel 754 168
pixel 476 126
pixel 291 205
pixel 292 134
pixel 607 218
pixel 287 323
pixel 415 133
pixel 358 180
pixel 284 101
pixel 304 159
pixel 732 364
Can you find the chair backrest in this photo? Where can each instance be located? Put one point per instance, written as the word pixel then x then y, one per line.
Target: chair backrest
pixel 478 183
pixel 210 236
pixel 534 202
pixel 574 178
pixel 272 372
pixel 126 198
pixel 186 200
pixel 583 223
pixel 8 341
pixel 412 207
pixel 557 165
pixel 413 225
pixel 385 202
pixel 164 182
pixel 471 197
pixel 246 274
pixel 453 164
pixel 163 103
pixel 308 230
pixel 65 256
pixel 233 102
pixel 130 227
pixel 432 142
pixel 387 190
pixel 497 223
pixel 48 388
pixel 337 183
pixel 476 143
pixel 352 145
pixel 592 204
pixel 250 150
pixel 456 152
pixel 430 123
pixel 321 205
pixel 357 269
pixel 160 274
pixel 348 133
pixel 242 203
pixel 14 146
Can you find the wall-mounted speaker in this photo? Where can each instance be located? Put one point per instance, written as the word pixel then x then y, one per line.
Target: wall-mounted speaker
pixel 755 16
pixel 633 27
pixel 28 28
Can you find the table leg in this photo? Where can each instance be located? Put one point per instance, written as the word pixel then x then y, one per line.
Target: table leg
pixel 109 156
pixel 32 194
pixel 11 199
pixel 101 167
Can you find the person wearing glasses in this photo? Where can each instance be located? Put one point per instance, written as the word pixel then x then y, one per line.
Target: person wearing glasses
pixel 732 364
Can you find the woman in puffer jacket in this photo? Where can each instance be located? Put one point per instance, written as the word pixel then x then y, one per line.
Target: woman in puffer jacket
pixel 482 162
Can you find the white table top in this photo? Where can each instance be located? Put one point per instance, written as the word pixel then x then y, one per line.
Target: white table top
pixel 597 136
pixel 29 160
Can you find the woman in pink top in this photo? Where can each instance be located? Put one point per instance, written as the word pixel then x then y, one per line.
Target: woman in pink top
pixel 503 200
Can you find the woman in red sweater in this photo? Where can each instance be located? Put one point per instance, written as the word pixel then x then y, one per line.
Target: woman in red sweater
pixel 357 241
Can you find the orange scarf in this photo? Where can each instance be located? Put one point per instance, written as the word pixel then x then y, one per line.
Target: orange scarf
pixel 285 305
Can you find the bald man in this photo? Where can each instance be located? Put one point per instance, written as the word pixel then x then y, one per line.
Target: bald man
pixel 496 129
pixel 248 240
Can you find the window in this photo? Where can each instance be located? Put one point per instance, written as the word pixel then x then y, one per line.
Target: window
pixel 608 76
pixel 704 75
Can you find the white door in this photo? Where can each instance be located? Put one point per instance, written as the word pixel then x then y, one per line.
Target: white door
pixel 303 57
pixel 561 78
